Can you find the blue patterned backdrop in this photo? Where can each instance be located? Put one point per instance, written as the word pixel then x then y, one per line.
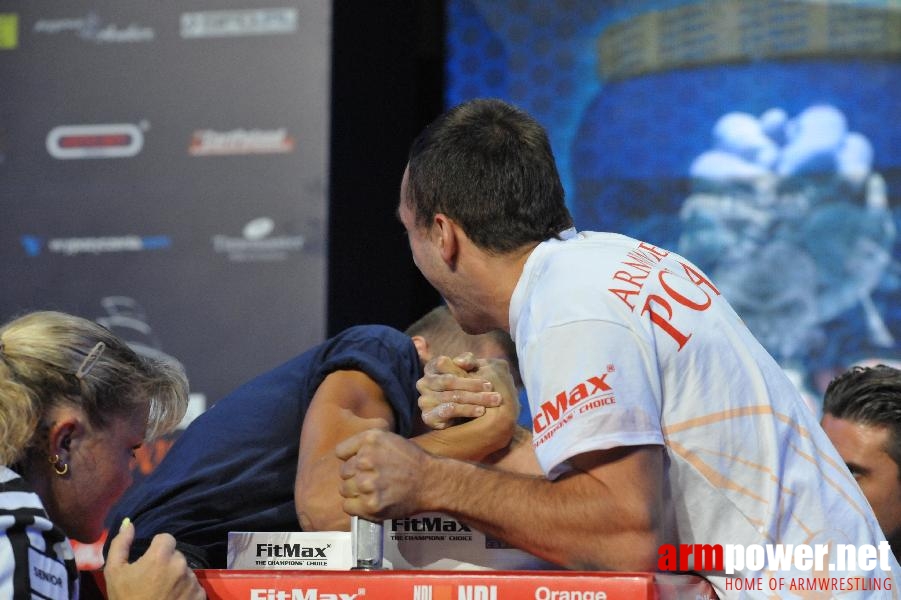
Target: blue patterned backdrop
pixel 760 139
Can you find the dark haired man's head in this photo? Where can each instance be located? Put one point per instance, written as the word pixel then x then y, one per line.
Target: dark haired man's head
pixel 488 166
pixel 862 417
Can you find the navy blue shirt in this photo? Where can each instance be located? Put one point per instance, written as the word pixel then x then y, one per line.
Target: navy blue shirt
pixel 233 468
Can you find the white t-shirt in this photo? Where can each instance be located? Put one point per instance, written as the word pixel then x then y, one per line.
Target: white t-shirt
pixel 622 344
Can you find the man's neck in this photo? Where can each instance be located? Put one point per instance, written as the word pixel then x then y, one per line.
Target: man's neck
pixel 501 273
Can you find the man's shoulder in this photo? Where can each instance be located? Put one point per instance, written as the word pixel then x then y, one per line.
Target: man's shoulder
pixel 367 336
pixel 371 330
pixel 356 336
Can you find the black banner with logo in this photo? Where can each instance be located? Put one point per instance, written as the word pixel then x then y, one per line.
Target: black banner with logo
pixel 163 171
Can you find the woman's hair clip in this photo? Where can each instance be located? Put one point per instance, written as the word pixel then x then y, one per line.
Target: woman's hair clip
pixel 90 360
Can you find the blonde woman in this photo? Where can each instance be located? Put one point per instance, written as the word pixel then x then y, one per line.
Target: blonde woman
pixel 75 403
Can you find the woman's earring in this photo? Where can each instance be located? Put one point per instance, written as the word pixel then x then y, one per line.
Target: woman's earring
pixel 59 467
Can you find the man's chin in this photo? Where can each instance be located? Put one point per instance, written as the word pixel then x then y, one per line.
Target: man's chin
pixel 458 317
pixel 468 323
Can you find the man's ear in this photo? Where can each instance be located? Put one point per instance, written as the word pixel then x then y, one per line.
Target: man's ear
pixel 448 238
pixel 422 348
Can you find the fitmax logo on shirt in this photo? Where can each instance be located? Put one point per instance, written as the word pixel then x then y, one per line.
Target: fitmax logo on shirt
pixel 552 412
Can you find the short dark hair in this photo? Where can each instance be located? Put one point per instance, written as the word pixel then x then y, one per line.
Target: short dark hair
pixel 489 166
pixel 869 396
pixel 446 337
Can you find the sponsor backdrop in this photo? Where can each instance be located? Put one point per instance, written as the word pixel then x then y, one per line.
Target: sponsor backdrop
pixel 761 139
pixel 163 171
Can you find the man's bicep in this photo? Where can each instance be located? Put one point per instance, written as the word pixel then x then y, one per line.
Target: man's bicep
pixel 345 403
pixel 636 474
pixel 591 385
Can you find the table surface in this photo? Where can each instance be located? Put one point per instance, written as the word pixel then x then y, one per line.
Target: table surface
pixel 437 585
pixel 450 585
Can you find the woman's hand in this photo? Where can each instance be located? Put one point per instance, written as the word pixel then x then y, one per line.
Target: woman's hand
pixel 161 573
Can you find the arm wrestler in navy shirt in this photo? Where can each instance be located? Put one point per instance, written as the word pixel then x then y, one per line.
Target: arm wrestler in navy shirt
pixel 262 458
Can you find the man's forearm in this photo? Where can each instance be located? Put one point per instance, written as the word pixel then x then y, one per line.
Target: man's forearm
pixel 607 513
pixel 518 456
pixel 316 497
pixel 576 521
pixel 475 439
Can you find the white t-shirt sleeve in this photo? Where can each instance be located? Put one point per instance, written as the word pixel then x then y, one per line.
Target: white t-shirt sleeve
pixel 592 385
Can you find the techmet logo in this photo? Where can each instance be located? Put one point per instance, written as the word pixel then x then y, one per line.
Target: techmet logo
pixel 303 594
pixel 256 244
pixel 116 140
pixel 91 28
pixel 34 245
pixel 207 142
pixel 591 394
pixel 9 31
pixel 238 23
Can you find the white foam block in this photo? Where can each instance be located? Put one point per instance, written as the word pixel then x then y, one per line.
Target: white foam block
pixel 436 541
pixel 295 550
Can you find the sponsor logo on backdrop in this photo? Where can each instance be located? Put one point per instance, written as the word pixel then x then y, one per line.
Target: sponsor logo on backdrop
pixel 257 244
pixel 9 31
pixel 238 23
pixel 114 140
pixel 91 28
pixel 35 245
pixel 207 142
